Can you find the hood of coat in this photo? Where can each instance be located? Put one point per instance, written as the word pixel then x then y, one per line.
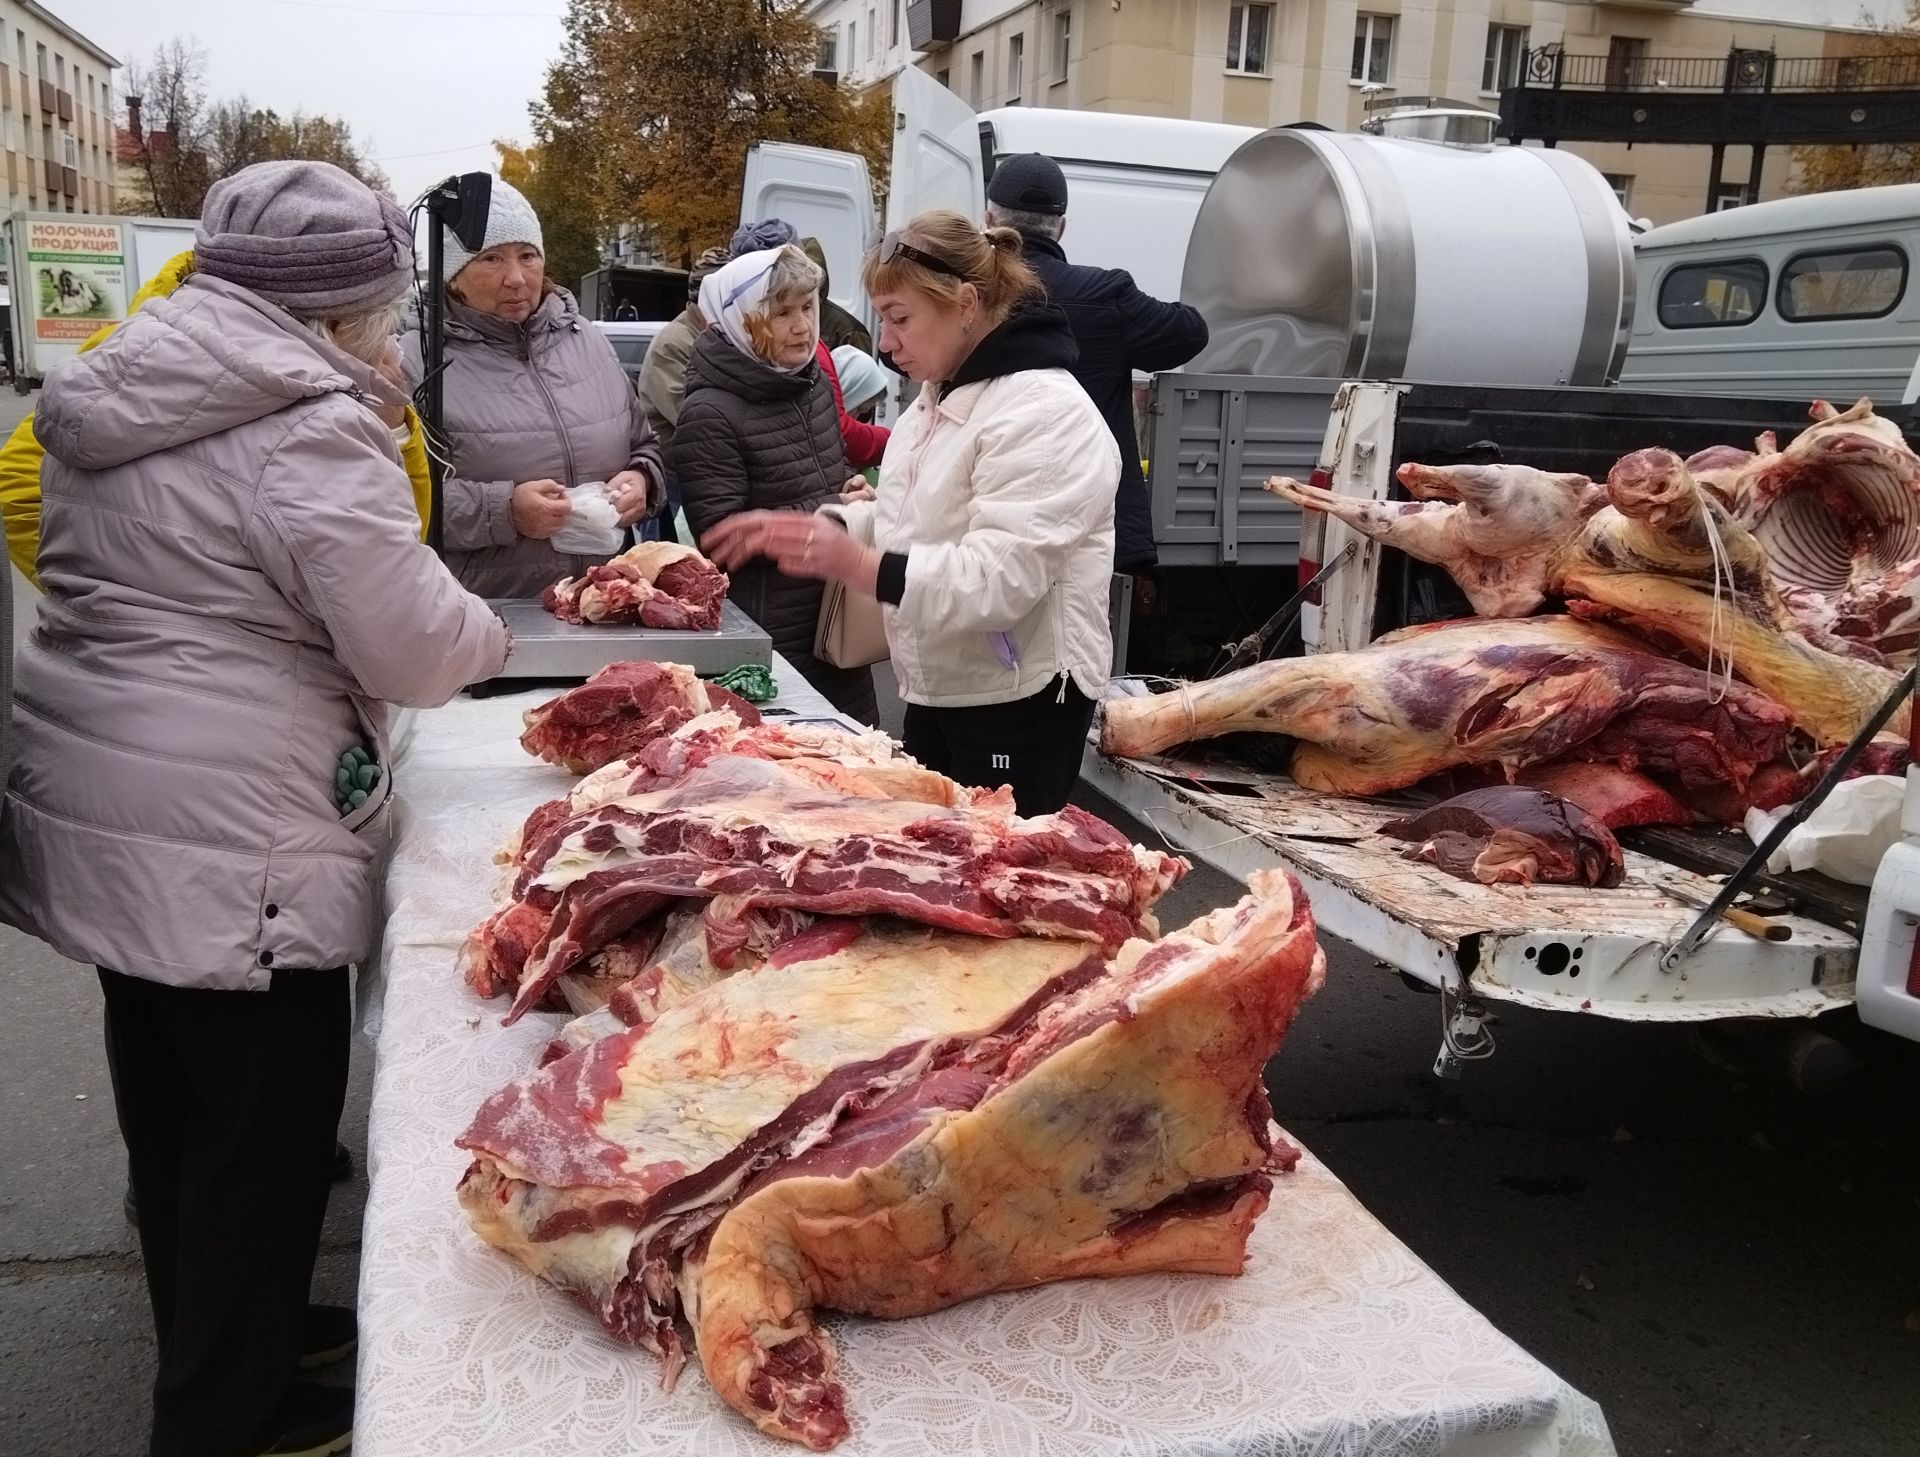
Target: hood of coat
pixel 719 365
pixel 1033 336
pixel 558 310
pixel 210 357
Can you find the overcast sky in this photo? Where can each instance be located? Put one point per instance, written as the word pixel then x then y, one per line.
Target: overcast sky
pixel 430 83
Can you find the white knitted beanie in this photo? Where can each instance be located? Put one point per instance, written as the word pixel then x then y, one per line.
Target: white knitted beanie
pixel 510 219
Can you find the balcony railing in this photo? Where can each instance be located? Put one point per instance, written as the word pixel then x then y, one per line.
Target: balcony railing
pixel 1550 67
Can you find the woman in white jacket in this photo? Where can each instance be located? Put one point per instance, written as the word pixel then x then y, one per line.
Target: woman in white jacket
pixel 991 536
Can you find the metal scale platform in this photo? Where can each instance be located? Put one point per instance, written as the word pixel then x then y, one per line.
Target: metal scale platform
pixel 546 647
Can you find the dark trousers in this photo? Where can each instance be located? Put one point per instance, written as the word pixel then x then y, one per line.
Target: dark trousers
pixel 228 1102
pixel 1033 744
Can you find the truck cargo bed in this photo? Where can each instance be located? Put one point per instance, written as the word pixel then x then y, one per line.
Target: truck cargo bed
pixel 1558 947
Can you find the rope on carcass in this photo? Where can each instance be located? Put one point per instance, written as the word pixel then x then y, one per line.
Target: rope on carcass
pixel 1723 586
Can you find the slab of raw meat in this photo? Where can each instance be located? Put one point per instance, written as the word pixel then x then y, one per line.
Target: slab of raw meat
pixel 749 833
pixel 654 584
pixel 1838 512
pixel 1616 797
pixel 1125 1130
pixel 1685 561
pixel 1477 691
pixel 597 1171
pixel 1510 834
pixel 619 711
pixel 1495 528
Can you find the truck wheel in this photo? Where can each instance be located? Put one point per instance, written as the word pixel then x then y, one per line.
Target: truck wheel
pixel 1818 1065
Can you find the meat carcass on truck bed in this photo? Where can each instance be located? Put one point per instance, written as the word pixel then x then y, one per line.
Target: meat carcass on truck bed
pixel 974 1115
pixel 1476 691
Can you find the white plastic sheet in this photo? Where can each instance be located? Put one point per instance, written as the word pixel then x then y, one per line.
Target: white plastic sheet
pixel 1846 836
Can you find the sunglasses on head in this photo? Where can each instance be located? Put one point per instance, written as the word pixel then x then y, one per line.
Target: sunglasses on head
pixel 891 247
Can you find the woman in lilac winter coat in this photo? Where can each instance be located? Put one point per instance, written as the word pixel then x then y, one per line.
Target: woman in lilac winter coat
pixel 235 590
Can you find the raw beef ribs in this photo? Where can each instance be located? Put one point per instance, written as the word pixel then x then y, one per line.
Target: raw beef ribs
pixel 911 1121
pixel 619 711
pixel 1477 691
pixel 751 833
pixel 1511 834
pixel 654 584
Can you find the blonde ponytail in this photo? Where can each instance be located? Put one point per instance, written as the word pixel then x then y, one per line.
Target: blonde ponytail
pixel 989 259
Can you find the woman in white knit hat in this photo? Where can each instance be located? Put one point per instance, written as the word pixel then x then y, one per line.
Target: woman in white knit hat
pixel 536 403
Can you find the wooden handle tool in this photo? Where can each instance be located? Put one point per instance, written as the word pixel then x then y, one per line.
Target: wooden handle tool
pixel 1739 919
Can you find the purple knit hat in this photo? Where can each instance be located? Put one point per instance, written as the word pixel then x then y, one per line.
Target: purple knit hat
pixel 307 236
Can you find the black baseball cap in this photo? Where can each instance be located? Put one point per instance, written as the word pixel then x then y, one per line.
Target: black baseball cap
pixel 1029 182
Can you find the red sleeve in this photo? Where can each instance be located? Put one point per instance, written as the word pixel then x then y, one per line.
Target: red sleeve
pixel 865 444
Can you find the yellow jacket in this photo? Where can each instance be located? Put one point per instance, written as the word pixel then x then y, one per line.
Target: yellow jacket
pixel 20 456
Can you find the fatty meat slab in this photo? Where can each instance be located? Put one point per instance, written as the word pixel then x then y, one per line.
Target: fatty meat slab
pixel 654 584
pixel 749 834
pixel 1113 1124
pixel 1511 835
pixel 1475 691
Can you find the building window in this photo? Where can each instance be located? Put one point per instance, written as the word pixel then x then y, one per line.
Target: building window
pixel 893 25
pixel 1702 295
pixel 944 77
pixel 1016 68
pixel 1622 185
pixel 1062 41
pixel 1506 44
pixel 40 58
pixel 873 32
pixel 60 69
pixel 1372 48
pixel 1857 283
pixel 1626 62
pixel 853 43
pixel 69 150
pixel 829 57
pixel 1730 195
pixel 1248 30
pixel 976 78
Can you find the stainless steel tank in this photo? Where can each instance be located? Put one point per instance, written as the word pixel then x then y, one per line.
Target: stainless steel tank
pixel 1343 255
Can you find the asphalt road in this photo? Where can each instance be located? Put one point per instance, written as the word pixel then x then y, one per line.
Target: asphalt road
pixel 1727 1266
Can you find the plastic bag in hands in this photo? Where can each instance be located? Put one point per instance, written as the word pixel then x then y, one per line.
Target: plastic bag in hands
pixel 592 527
pixel 1846 836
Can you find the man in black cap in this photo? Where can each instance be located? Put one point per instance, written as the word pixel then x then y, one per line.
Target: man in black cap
pixel 1119 329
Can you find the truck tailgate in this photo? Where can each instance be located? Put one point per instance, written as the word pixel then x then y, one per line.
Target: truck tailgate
pixel 1559 947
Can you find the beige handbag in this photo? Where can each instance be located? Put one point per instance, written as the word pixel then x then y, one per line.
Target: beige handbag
pixel 851 633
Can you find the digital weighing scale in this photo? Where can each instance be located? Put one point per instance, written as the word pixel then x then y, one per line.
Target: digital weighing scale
pixel 546 647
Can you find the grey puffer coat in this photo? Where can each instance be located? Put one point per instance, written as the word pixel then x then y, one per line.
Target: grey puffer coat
pixel 543 400
pixel 236 588
pixel 751 438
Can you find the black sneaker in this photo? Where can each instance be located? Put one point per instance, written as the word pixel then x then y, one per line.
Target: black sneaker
pixel 339 1171
pixel 314 1421
pixel 328 1336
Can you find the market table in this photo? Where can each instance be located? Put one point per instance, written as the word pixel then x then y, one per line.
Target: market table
pixel 1337 1340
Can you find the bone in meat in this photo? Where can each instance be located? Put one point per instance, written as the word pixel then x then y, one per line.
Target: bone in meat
pixel 1477 691
pixel 1126 1131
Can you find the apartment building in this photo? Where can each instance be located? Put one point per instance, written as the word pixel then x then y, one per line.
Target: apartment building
pixel 1268 64
pixel 56 113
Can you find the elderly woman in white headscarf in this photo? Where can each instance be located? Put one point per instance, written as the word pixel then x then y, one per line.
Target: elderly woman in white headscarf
pixel 759 431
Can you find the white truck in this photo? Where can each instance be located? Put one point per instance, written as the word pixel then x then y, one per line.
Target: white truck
pixel 72 274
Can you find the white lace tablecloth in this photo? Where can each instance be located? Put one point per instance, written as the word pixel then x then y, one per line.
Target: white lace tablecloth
pixel 1336 1340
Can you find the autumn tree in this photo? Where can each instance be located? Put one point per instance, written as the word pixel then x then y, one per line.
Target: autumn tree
pixel 560 191
pixel 188 141
pixel 658 100
pixel 1890 55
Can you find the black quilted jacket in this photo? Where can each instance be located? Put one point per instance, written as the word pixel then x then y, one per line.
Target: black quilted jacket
pixel 753 439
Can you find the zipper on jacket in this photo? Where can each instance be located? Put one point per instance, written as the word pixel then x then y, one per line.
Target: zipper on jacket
pixel 553 409
pixel 813 445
